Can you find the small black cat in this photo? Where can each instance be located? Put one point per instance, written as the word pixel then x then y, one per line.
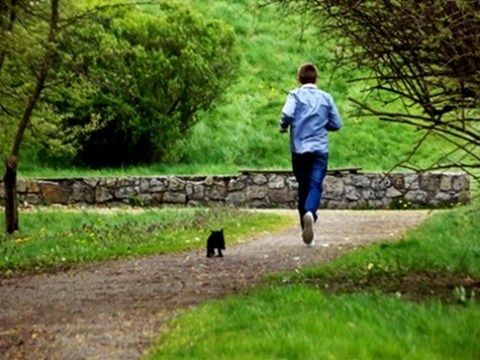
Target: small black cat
pixel 215 241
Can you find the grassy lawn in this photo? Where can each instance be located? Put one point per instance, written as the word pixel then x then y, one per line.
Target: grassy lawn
pixel 354 308
pixel 50 238
pixel 301 322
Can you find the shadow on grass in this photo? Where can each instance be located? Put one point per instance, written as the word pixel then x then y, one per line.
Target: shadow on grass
pixel 413 286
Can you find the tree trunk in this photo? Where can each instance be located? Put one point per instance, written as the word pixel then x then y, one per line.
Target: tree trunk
pixel 10 177
pixel 10 184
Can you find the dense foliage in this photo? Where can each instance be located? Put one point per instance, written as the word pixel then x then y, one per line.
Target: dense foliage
pixel 138 81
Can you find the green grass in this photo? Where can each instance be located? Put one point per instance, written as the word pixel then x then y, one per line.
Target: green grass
pixel 242 130
pixel 296 316
pixel 39 171
pixel 273 50
pixel 51 239
pixel 448 242
pixel 299 315
pixel 299 322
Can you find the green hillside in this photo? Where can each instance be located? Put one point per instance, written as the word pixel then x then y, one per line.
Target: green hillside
pixel 242 131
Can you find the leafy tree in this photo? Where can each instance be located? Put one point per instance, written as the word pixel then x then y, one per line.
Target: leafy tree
pixel 147 78
pixel 36 63
pixel 421 54
pixel 23 79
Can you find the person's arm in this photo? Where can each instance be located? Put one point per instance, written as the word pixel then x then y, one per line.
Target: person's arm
pixel 287 113
pixel 334 120
pixel 284 123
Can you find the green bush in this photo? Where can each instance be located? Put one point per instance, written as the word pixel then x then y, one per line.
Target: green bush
pixel 141 80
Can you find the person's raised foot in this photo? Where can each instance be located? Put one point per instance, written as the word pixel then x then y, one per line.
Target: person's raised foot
pixel 307 233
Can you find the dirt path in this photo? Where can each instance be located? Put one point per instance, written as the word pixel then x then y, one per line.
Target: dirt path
pixel 115 310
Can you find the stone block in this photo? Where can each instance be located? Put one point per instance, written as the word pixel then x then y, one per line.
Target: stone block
pixel 430 182
pixel 102 194
pixel 412 182
pixel 157 185
pixel 53 193
pixel 144 185
pixel 126 192
pixel 110 182
pixel 392 193
pixel 216 192
pixel 442 198
pixel 445 183
pixel 371 194
pixel 21 186
pixel 278 196
pixel 235 198
pixel 352 194
pixel 380 182
pixel 397 181
pixel 255 192
pixel 91 182
pixel 460 182
pixel 292 183
pixel 27 186
pixel 176 184
pixel 360 181
pixel 158 197
pixel 333 188
pixel 417 197
pixel 174 198
pixel 276 182
pixel 237 184
pixel 209 181
pixel 377 204
pixel 259 180
pixel 334 205
pixel 198 192
pixel 33 199
pixel 82 193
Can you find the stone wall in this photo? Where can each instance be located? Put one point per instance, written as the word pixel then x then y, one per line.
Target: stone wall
pixel 348 191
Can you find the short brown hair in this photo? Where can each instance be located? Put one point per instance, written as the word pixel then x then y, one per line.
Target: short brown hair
pixel 308 73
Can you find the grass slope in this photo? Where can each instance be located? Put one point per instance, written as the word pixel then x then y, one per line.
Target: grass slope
pixel 241 132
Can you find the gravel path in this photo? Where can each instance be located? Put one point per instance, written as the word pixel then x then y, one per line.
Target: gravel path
pixel 114 310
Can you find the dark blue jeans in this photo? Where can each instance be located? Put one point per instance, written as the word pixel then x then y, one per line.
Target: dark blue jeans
pixel 309 170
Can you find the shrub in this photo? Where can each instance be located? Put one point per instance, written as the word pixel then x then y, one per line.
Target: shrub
pixel 141 80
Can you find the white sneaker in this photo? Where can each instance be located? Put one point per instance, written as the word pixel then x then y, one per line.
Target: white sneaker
pixel 307 233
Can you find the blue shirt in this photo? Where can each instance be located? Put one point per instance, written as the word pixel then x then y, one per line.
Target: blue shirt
pixel 310 113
